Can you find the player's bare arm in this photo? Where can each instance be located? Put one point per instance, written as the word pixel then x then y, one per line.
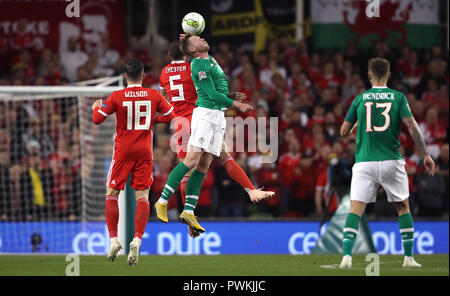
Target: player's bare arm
pixel 416 134
pixel 237 96
pixel 242 106
pixel 347 128
pixel 163 92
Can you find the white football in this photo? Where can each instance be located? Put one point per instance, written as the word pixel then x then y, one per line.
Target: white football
pixel 193 23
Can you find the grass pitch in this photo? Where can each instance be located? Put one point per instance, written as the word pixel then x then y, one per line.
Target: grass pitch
pixel 220 265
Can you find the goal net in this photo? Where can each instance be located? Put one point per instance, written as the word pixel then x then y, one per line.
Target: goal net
pixel 53 163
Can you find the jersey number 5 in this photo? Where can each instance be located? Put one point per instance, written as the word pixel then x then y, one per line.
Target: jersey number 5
pixel 385 113
pixel 178 87
pixel 138 114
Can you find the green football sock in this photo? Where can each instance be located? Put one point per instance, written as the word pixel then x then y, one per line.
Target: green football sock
pixel 350 233
pixel 407 232
pixel 193 187
pixel 174 180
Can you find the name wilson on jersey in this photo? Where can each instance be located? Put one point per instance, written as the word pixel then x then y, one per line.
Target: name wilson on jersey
pixel 136 94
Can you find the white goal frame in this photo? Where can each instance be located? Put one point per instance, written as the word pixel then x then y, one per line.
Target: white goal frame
pixel 78 90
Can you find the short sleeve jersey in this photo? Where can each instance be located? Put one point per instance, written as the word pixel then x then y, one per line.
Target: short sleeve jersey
pixel 379 112
pixel 135 109
pixel 176 80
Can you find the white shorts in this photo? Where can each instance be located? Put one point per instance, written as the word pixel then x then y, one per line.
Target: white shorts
pixel 208 130
pixel 368 176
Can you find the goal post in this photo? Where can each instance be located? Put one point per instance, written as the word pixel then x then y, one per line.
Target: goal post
pixel 63 114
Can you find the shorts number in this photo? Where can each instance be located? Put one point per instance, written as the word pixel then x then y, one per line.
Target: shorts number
pixel 385 113
pixel 138 114
pixel 178 87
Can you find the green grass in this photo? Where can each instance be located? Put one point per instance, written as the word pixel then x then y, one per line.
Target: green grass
pixel 221 265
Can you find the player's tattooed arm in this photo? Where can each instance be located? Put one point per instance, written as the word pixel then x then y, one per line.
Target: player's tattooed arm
pixel 416 134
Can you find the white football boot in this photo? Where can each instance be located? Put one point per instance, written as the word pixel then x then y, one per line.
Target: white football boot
pixel 114 249
pixel 410 262
pixel 134 251
pixel 346 262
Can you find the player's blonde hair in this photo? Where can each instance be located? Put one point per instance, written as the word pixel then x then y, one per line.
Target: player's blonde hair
pixel 184 45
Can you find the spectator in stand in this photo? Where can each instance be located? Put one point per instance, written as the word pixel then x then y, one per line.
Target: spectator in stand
pixel 21 39
pixel 72 59
pixel 36 183
pixel 6 187
pixel 163 167
pixel 83 73
pixel 37 133
pixel 331 127
pixel 434 132
pixel 329 78
pixel 418 110
pixel 108 58
pixel 439 100
pixel 302 189
pixel 139 51
pixel 25 67
pixel 430 94
pixel 232 198
pixel 436 71
pixel 411 170
pixel 269 178
pixel 204 204
pixel 326 200
pixel 266 74
pixel 442 170
pixel 403 59
pixel 287 163
pixel 412 71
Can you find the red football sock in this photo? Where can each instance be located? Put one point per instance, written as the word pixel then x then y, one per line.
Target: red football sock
pixel 237 173
pixel 141 216
pixel 112 214
pixel 183 187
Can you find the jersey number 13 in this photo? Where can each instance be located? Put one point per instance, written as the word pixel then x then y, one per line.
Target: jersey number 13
pixel 385 113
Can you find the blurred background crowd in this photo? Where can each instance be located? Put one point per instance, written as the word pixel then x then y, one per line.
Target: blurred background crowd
pixel 308 90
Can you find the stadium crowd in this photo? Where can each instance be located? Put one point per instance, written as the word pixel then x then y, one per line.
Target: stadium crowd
pixel 308 91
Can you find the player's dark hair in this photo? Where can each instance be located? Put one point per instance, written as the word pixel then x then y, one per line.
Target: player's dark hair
pixel 379 68
pixel 175 51
pixel 134 69
pixel 184 44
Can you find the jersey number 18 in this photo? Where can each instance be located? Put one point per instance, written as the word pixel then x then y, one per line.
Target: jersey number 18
pixel 138 114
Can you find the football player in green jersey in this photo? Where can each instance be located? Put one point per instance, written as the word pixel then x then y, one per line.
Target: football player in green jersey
pixel 207 128
pixel 377 115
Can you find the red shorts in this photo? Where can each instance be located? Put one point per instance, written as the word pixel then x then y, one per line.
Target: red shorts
pixel 182 133
pixel 141 174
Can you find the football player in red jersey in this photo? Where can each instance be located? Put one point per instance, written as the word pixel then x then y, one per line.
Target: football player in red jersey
pixel 135 109
pixel 177 86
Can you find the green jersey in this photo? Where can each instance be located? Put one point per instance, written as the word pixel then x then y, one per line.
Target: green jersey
pixel 210 83
pixel 379 112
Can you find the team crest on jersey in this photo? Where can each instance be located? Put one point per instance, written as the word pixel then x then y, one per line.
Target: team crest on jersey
pixel 201 75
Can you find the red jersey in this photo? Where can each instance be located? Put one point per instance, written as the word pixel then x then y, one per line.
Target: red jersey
pixel 176 80
pixel 135 109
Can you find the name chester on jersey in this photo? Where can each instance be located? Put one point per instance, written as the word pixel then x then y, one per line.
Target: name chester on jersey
pixel 136 94
pixel 175 69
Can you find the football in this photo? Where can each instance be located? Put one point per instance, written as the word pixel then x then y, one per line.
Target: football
pixel 193 23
